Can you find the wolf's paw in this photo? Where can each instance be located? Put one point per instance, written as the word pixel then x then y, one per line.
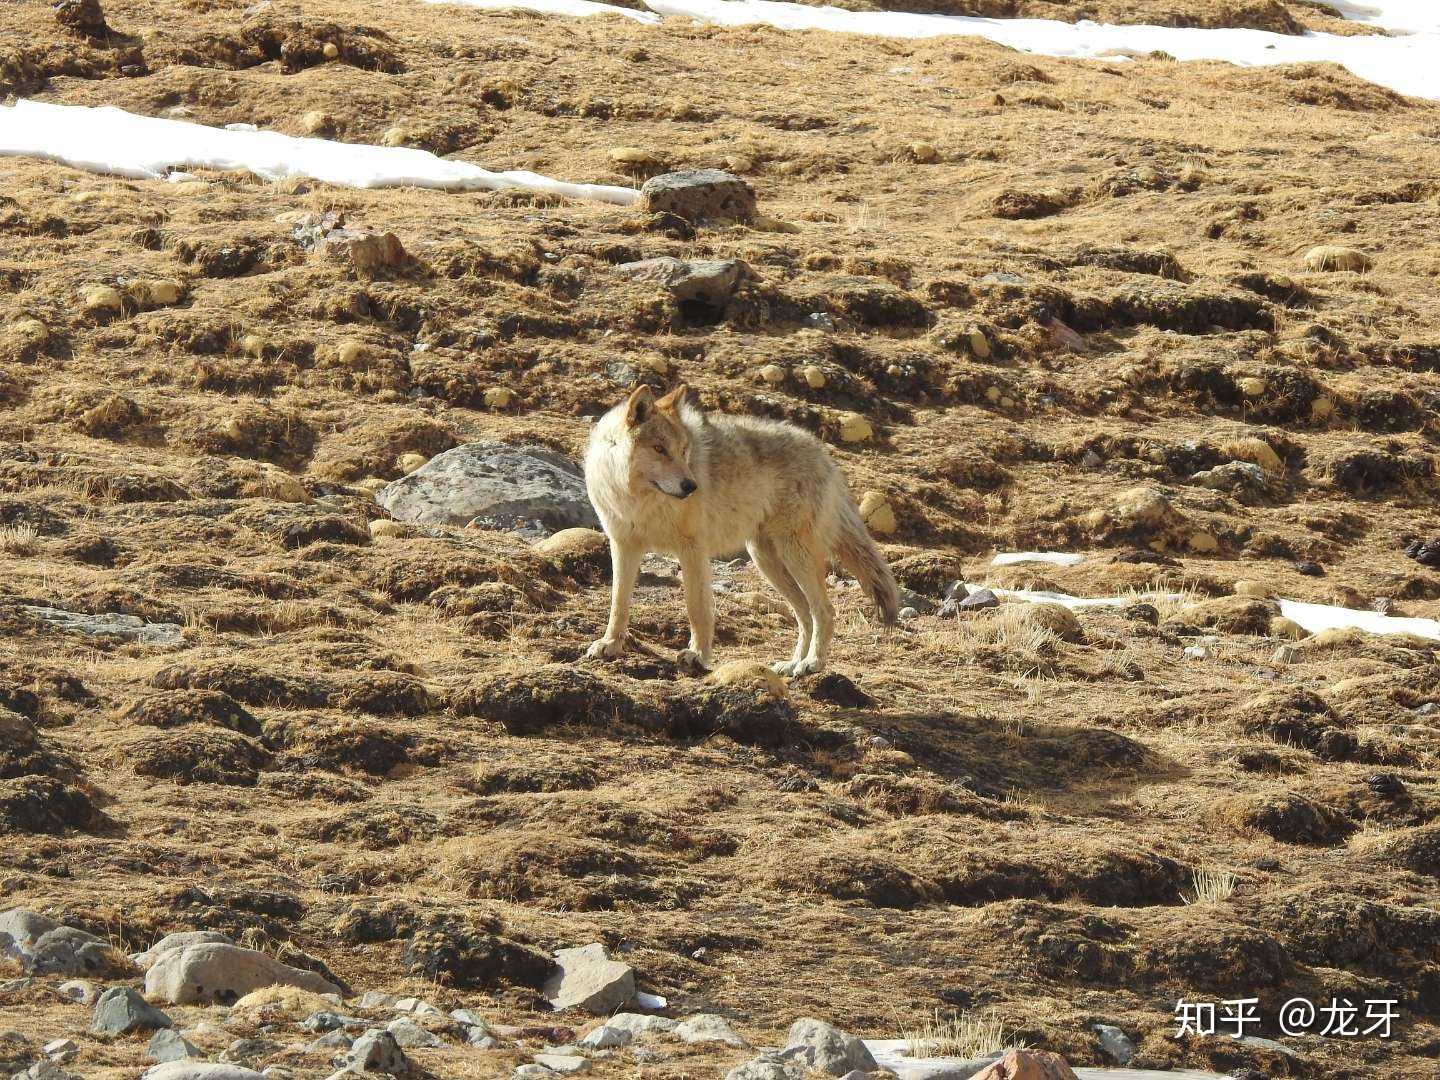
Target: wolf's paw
pixel 793 669
pixel 691 661
pixel 606 648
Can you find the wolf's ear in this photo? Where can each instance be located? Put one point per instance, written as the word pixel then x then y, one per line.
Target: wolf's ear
pixel 637 408
pixel 682 394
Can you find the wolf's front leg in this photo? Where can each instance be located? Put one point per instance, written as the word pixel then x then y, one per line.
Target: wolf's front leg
pixel 700 605
pixel 624 569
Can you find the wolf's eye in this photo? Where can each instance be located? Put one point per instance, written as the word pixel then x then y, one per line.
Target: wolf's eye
pixel 661 450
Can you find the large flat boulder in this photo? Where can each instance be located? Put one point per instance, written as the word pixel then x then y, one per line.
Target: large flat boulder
pixel 588 979
pixel 494 485
pixel 220 973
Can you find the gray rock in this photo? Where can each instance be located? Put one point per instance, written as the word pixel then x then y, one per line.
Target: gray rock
pixel 418 1006
pixel 604 1037
pixel 707 1027
pixel 411 1035
pixel 1260 1043
pixel 635 1023
pixel 170 942
pixel 699 195
pixel 43 1070
pixel 1115 1043
pixel 248 1051
pixel 707 282
pixel 61 1050
pixel 216 972
pixel 770 1065
pixel 1241 478
pixel 470 1019
pixel 329 1021
pixel 81 990
pixel 68 951
pixel 922 604
pixel 856 1074
pixel 200 1070
pixel 15 986
pixel 564 1064
pixel 121 1010
pixel 827 1048
pixel 531 1071
pixel 589 980
pixel 377 999
pixel 376 1051
pixel 331 1040
pixel 110 624
pixel 167 1044
pixel 494 485
pixel 481 1042
pixel 20 929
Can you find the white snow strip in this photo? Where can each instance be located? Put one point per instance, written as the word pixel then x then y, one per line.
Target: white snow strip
pixel 1318 617
pixel 1407 16
pixel 1054 558
pixel 1311 617
pixel 1405 64
pixel 579 8
pixel 894 1055
pixel 109 140
pixel 1078 603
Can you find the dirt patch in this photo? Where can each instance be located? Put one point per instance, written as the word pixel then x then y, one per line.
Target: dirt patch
pixel 198 756
pixel 1288 817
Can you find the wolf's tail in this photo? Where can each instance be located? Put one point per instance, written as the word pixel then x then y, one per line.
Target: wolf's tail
pixel 857 553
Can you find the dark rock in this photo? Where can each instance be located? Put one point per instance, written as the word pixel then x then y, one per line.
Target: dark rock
pixel 1425 552
pixel 699 196
pixel 979 600
pixel 701 288
pixel 835 689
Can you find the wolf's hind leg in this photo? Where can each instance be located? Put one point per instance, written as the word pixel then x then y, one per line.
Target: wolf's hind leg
pixel 772 568
pixel 808 571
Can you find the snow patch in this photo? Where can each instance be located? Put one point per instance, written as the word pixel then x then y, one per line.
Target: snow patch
pixel 579 8
pixel 1054 558
pixel 1405 64
pixel 1318 617
pixel 894 1055
pixel 1313 618
pixel 110 140
pixel 1406 16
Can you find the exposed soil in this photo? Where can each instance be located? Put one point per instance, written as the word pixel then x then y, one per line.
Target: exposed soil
pixel 1069 326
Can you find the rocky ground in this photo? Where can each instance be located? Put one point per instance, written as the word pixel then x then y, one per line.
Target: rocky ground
pixel 1030 303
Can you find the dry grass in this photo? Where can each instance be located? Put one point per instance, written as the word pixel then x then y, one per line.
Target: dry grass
pixel 19 540
pixel 1211 886
pixel 965 1035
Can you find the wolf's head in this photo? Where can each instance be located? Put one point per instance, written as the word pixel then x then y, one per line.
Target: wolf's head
pixel 659 443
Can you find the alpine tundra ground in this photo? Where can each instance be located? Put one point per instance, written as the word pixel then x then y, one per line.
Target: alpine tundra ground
pixel 1072 301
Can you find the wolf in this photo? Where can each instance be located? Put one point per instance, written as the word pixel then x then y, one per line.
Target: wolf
pixel 665 476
